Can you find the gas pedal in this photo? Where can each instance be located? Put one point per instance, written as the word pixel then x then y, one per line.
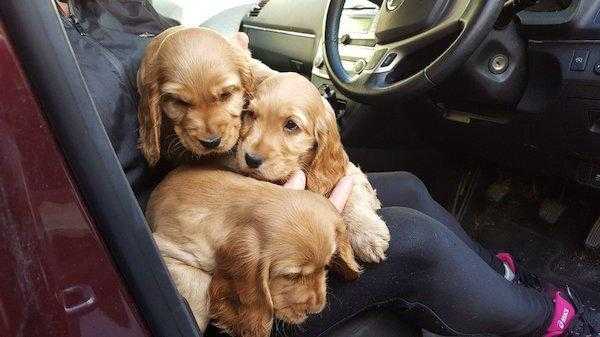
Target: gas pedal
pixel 593 239
pixel 551 210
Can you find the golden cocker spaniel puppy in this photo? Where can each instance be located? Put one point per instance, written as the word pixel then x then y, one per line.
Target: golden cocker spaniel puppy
pixel 193 84
pixel 289 127
pixel 247 249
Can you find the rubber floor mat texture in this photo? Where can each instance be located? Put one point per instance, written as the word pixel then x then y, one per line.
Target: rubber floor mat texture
pixel 554 252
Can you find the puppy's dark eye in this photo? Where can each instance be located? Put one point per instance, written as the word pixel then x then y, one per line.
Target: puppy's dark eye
pixel 293 277
pixel 179 101
pixel 184 103
pixel 224 96
pixel 290 125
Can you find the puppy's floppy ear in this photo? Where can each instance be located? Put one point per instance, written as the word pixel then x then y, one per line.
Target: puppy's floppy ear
pixel 149 111
pixel 344 262
pixel 330 160
pixel 240 300
pixel 243 62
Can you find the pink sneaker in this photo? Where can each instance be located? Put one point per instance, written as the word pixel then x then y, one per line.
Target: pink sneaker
pixel 508 260
pixel 563 315
pixel 522 276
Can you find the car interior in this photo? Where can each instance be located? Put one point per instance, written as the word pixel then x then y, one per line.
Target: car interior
pixel 495 105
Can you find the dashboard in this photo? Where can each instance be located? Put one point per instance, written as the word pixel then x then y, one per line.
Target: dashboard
pixel 284 34
pixel 287 35
pixel 545 107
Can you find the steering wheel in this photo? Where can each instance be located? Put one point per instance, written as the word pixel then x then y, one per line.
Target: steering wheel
pixel 418 45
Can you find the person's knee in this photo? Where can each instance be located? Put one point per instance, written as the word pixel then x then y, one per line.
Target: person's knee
pixel 413 185
pixel 416 233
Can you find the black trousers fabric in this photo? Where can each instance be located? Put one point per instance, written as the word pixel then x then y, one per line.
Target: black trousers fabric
pixel 435 275
pixel 404 189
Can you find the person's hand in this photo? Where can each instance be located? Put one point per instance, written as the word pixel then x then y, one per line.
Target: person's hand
pixel 338 196
pixel 241 39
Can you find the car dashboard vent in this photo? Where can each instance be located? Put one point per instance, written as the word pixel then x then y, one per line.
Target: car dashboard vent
pixel 258 7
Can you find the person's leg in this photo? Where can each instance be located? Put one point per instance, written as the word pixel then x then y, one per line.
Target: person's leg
pixel 404 189
pixel 435 279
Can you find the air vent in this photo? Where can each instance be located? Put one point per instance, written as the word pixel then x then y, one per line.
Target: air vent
pixel 257 8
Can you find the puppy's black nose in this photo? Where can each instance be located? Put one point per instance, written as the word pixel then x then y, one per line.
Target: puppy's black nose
pixel 211 143
pixel 253 161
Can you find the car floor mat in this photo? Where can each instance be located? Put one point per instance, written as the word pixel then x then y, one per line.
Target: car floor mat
pixel 554 252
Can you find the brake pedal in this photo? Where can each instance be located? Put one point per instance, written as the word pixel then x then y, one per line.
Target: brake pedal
pixel 551 210
pixel 593 239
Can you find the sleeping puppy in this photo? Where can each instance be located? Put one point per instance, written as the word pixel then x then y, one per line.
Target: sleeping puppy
pixel 265 247
pixel 288 127
pixel 193 85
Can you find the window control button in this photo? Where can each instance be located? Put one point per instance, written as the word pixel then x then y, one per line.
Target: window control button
pixel 579 61
pixel 597 68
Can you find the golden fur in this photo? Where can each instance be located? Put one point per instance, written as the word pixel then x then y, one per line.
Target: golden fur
pixel 193 85
pixel 266 247
pixel 290 127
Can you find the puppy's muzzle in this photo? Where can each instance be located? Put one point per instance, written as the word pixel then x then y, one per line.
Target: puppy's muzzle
pixel 253 160
pixel 211 143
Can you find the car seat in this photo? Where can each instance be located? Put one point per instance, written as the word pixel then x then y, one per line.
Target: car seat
pixel 83 69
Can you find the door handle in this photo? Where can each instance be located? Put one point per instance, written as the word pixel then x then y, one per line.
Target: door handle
pixel 78 298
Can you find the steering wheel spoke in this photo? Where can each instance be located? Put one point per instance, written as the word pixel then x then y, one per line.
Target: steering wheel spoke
pixel 426 38
pixel 373 78
pixel 396 52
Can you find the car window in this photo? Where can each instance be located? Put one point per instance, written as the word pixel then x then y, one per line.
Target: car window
pixel 195 12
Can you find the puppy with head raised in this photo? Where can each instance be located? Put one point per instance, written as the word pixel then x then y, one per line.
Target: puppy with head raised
pixel 289 127
pixel 193 85
pixel 267 248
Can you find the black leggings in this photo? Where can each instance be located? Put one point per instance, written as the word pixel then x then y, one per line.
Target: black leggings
pixel 434 274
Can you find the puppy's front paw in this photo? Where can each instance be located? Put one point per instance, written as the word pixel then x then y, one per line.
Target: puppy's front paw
pixel 372 242
pixel 368 233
